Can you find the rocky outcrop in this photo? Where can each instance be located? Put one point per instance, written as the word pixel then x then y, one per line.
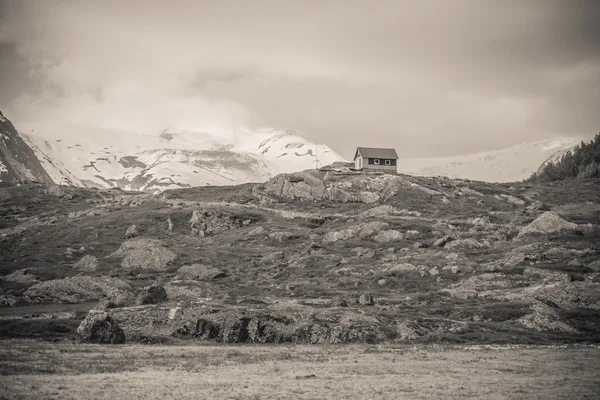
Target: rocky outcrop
pixel 18 162
pixel 99 327
pixel 318 186
pixel 263 327
pixel 77 289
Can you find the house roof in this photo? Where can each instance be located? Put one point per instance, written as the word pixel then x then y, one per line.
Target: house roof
pixel 373 152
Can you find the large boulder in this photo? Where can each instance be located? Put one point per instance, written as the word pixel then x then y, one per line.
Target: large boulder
pixel 145 254
pixel 99 327
pixel 152 295
pixel 548 222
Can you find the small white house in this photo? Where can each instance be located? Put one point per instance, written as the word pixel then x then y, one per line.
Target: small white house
pixel 376 159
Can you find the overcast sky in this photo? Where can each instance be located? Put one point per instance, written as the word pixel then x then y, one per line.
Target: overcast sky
pixel 429 77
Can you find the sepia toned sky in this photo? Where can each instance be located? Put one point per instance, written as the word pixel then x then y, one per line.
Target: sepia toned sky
pixel 430 78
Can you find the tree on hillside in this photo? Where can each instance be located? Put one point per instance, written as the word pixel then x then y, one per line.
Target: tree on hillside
pixel 580 163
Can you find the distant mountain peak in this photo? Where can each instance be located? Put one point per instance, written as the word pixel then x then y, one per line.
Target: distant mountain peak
pixel 511 164
pixel 82 155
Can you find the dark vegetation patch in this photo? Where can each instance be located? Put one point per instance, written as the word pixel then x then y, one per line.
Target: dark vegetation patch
pixel 47 329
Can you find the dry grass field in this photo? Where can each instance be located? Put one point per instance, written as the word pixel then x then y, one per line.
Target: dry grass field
pixel 42 370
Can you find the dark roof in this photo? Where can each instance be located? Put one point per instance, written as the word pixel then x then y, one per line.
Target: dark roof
pixel 370 152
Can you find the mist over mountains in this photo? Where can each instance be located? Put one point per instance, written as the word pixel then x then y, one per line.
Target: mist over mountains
pixel 87 156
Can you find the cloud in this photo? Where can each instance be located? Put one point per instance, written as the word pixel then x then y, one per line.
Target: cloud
pixel 430 78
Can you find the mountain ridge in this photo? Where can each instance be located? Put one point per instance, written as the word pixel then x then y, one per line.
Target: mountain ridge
pixel 87 156
pixel 18 162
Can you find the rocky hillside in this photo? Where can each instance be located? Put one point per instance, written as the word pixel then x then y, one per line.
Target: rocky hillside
pixel 310 257
pixel 17 161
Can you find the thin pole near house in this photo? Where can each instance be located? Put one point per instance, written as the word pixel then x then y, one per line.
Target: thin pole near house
pixel 316 153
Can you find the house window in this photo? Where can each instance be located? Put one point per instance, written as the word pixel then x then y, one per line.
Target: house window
pixel 376 161
pixel 388 162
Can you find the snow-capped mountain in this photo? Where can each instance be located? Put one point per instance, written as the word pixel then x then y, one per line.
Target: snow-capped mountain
pixel 17 161
pixel 81 155
pixel 507 165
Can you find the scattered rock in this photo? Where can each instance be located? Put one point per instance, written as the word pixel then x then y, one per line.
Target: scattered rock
pixel 25 276
pixel 462 294
pixel 338 301
pixel 594 266
pixel 366 299
pixel 379 211
pixel 200 272
pixel 388 235
pixel 208 222
pixel 455 269
pixel 259 230
pixel 411 234
pixel 290 287
pixel 363 230
pixel 509 199
pixel 538 206
pixel 8 300
pixel 274 256
pixel 152 295
pixel 420 245
pixel 99 327
pixel 434 271
pixel 57 191
pixel 281 236
pixel 443 241
pixel 88 263
pixel 132 231
pixel 465 244
pixel 480 221
pixel 363 253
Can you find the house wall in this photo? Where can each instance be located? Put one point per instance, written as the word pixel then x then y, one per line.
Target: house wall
pixel 369 165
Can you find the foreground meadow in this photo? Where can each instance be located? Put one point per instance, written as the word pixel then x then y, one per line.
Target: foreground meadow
pixel 42 370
